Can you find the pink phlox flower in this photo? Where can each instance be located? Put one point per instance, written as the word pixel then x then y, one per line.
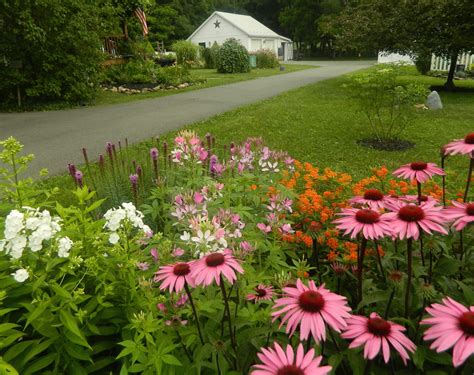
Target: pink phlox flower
pixel 311 308
pixel 377 334
pixel 276 361
pixel 418 171
pixel 452 325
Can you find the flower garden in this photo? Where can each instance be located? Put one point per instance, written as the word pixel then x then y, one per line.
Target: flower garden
pixel 200 258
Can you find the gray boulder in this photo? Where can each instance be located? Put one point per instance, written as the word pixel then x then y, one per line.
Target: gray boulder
pixel 434 101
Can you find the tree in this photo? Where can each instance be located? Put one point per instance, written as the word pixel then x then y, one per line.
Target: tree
pixel 414 27
pixel 49 49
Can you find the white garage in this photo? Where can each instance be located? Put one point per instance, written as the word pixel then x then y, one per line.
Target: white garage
pixel 252 34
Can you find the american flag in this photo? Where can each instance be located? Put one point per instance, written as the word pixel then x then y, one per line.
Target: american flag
pixel 140 14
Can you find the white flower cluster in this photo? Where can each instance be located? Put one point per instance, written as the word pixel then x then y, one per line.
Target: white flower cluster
pixel 116 218
pixel 29 229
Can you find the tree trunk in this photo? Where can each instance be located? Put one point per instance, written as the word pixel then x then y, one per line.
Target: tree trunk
pixel 449 85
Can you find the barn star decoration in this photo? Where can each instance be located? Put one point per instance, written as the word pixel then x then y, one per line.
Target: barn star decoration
pixel 217 24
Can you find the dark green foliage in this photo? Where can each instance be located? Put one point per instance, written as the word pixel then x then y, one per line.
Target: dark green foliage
pixel 266 59
pixel 145 71
pixel 166 59
pixel 50 49
pixel 423 62
pixel 186 52
pixel 232 58
pixel 210 56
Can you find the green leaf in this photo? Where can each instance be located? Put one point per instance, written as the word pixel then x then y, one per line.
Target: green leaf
pixel 61 291
pixel 35 350
pixel 419 357
pixel 17 349
pixel 439 358
pixel 171 360
pixel 40 364
pixel 467 292
pixel 77 352
pixel 70 323
pixel 7 326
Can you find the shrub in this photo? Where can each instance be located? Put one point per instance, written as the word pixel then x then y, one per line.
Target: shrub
pixel 387 103
pixel 266 59
pixel 186 52
pixel 210 56
pixel 50 50
pixel 232 57
pixel 423 62
pixel 165 59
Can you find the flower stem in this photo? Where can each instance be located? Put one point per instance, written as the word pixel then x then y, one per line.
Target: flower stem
pixel 469 176
pixel 389 304
pixel 443 158
pixel 418 186
pixel 184 346
pixel 379 259
pixel 409 273
pixel 360 266
pixel 188 292
pixel 315 256
pixel 229 320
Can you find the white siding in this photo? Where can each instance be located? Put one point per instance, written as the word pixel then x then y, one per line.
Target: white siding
pixel 255 44
pixel 210 34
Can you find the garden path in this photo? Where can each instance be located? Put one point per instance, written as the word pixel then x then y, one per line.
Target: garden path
pixel 56 137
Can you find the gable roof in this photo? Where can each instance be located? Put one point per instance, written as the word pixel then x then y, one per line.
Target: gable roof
pixel 246 24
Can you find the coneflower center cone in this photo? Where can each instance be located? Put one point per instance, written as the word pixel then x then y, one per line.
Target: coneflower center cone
pixel 466 323
pixel 215 260
pixel 469 139
pixel 181 269
pixel 470 209
pixel 290 370
pixel 411 213
pixel 367 216
pixel 418 166
pixel 260 292
pixel 373 195
pixel 378 327
pixel 311 301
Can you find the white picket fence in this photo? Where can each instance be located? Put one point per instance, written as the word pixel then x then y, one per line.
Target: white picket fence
pixel 441 63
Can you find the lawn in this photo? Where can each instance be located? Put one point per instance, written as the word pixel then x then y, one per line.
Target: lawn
pixel 211 77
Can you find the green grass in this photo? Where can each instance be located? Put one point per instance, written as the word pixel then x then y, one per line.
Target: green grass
pixel 211 77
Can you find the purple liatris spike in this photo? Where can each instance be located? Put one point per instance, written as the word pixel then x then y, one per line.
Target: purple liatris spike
pixel 133 179
pixel 139 171
pixel 154 153
pixel 79 178
pixel 72 169
pixel 84 152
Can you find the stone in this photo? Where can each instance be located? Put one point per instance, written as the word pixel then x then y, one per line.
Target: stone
pixel 114 89
pixel 183 85
pixel 434 101
pixel 157 88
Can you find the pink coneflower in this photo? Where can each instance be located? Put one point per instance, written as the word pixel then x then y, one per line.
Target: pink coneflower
pixel 461 213
pixel 372 198
pixel 339 268
pixel 377 333
pixel 409 220
pixel 452 324
pixel 174 276
pixel 460 146
pixel 311 308
pixel 284 362
pixel 262 293
pixel 418 171
pixel 212 266
pixel 372 224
